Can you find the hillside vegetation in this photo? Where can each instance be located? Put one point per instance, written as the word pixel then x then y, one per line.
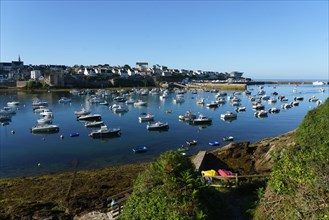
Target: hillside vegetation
pixel 298 187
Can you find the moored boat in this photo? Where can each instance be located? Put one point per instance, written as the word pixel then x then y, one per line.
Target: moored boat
pixel 140 149
pixel 147 117
pixel 240 109
pixel 38 102
pixel 213 143
pixel 45 129
pixel 228 115
pixel 82 112
pixel 202 119
pixel 13 103
pixel 91 124
pixel 192 142
pixel 76 134
pixel 64 100
pixel 157 126
pixel 229 138
pixel 274 110
pixel 104 131
pixel 212 104
pixel 44 120
pixel 140 103
pixel 261 113
pixel 90 117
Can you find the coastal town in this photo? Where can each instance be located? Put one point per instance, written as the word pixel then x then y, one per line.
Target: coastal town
pixel 17 74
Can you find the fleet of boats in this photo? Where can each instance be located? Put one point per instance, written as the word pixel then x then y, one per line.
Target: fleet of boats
pixel 91 120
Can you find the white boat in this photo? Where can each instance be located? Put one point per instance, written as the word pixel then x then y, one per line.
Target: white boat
pixel 90 117
pixel 44 120
pixel 258 106
pixel 95 100
pixel 45 129
pixel 286 106
pixel 140 103
pixel 148 117
pixel 83 111
pixel 298 98
pixel 46 112
pixel 318 83
pixel 228 115
pixel 8 111
pixel 157 126
pixel 164 95
pixel 104 102
pixel 13 103
pixel 130 102
pixel 221 100
pixel 192 142
pixel 119 109
pixel 229 138
pixel 200 101
pixel 271 101
pixel 64 100
pixel 322 89
pixel 120 99
pixel 188 116
pixel 91 124
pixel 178 100
pixel 261 92
pixel 240 109
pixel 274 110
pixel 313 99
pixel 212 104
pixel 104 131
pixel 39 109
pixel 201 119
pixel 38 102
pixel 261 113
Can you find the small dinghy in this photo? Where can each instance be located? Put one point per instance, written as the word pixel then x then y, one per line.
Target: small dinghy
pixel 229 138
pixel 192 142
pixel 74 134
pixel 214 143
pixel 140 149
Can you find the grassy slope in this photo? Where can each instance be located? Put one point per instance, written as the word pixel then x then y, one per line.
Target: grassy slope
pixel 298 188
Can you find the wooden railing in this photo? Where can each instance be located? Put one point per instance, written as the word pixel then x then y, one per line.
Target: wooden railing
pixel 119 199
pixel 235 179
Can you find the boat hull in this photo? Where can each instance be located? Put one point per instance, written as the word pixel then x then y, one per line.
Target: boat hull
pixel 111 133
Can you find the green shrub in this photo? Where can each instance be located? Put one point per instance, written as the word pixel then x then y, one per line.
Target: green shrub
pixel 167 189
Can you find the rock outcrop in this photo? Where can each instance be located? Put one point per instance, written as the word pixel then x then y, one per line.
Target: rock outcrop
pixel 245 158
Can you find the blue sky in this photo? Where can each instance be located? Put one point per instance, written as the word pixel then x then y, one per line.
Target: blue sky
pixel 264 39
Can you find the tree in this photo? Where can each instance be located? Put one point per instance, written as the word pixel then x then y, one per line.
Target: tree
pixel 126 67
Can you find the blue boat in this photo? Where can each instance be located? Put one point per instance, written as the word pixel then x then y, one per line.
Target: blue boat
pixel 140 149
pixel 74 135
pixel 214 143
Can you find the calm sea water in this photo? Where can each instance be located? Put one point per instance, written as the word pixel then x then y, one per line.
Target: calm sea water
pixel 21 151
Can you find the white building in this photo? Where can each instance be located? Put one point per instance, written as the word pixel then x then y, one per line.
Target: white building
pixel 236 74
pixel 131 72
pixel 35 74
pixel 142 66
pixel 90 72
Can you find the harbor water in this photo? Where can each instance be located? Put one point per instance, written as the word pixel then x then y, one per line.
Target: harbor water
pixel 23 153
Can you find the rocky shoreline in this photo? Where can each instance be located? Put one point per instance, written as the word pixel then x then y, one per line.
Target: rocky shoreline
pixel 78 193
